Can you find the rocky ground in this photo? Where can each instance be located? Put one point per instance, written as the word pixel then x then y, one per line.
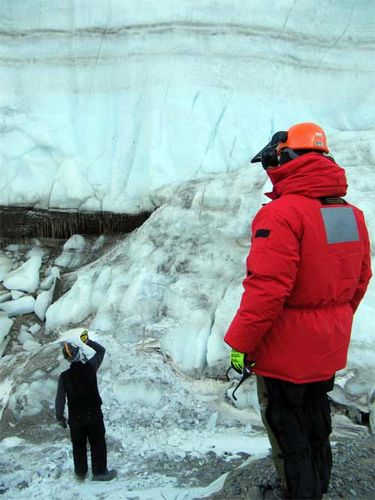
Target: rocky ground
pixel 352 476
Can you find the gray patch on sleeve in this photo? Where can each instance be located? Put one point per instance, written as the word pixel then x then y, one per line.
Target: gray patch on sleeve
pixel 340 224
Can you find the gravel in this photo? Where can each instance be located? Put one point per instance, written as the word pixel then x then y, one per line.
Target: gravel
pixel 352 476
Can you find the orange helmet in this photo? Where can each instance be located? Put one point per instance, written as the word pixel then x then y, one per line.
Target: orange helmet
pixel 305 135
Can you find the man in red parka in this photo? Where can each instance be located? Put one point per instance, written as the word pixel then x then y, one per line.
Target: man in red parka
pixel 307 271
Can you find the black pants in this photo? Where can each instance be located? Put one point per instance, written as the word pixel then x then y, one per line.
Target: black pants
pixel 299 418
pixel 88 427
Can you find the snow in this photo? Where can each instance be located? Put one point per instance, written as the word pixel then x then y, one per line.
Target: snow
pixel 5 326
pixel 5 266
pixel 36 251
pixel 43 301
pixel 24 305
pixel 35 328
pixel 173 273
pixel 140 393
pixel 178 277
pixel 31 345
pixel 26 277
pixel 75 242
pixel 159 106
pixel 11 442
pixel 26 339
pixel 72 252
pixel 27 399
pixel 15 294
pixel 4 296
pixel 151 416
pixel 50 279
pixel 24 336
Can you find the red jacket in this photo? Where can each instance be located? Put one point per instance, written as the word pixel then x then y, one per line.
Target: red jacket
pixel 307 270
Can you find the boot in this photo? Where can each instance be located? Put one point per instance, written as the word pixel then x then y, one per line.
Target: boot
pixel 106 476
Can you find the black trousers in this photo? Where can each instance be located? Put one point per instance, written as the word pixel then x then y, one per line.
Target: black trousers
pixel 299 417
pixel 89 428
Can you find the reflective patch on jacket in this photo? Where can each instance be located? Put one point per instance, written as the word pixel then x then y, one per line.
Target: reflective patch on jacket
pixel 340 224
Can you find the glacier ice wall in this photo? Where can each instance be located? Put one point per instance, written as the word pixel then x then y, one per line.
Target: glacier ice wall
pixel 102 102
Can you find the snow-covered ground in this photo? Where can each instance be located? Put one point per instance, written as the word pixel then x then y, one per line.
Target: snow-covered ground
pixel 159 105
pixel 161 429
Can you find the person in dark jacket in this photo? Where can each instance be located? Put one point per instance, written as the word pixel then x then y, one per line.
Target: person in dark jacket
pixel 307 271
pixel 79 385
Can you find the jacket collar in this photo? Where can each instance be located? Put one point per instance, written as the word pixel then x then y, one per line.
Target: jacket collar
pixel 312 175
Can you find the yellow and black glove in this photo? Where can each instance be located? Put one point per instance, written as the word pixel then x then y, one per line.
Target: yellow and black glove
pixel 84 336
pixel 240 363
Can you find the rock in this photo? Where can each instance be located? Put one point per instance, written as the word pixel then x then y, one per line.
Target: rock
pixel 22 485
pixel 3 488
pixel 352 475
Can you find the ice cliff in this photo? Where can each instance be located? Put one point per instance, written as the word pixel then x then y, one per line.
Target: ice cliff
pixel 102 102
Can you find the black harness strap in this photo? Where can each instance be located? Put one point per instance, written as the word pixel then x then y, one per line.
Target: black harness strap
pixel 327 200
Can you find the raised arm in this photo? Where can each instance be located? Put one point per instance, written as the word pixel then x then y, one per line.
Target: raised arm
pixel 97 359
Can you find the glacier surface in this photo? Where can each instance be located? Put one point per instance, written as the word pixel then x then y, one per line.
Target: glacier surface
pixel 130 96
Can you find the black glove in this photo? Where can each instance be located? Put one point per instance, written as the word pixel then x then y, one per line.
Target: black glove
pixel 62 422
